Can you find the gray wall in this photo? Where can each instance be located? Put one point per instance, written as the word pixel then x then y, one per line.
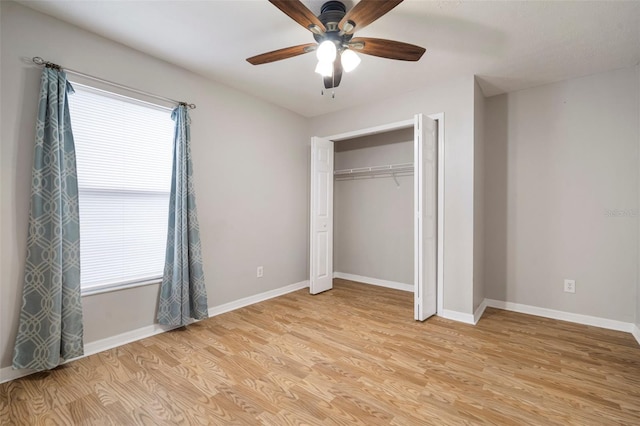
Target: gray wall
pixel 478 196
pixel 373 217
pixel 559 158
pixel 250 160
pixel 455 99
pixel 638 277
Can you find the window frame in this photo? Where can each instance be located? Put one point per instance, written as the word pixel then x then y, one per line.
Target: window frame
pixel 118 93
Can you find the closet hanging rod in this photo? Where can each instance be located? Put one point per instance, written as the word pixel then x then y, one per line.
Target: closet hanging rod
pixel 394 175
pixel 39 61
pixel 375 170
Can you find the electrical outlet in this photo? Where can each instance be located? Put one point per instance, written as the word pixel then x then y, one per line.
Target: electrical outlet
pixel 569 286
pixel 260 272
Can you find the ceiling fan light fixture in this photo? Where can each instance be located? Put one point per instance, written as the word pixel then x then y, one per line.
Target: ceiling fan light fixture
pixel 350 60
pixel 315 29
pixel 326 51
pixel 325 68
pixel 348 27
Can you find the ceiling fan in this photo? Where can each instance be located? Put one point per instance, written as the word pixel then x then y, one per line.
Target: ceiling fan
pixel 333 31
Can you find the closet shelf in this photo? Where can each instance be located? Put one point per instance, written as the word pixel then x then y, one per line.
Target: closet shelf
pixel 388 169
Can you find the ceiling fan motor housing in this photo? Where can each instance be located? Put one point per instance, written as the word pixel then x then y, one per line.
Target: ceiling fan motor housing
pixel 331 14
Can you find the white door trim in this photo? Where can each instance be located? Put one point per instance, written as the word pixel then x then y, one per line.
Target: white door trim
pixel 439 118
pixel 406 124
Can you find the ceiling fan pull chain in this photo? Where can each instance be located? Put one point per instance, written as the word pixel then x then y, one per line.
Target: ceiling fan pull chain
pixel 333 95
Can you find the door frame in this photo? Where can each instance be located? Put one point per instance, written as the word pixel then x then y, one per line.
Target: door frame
pixel 406 124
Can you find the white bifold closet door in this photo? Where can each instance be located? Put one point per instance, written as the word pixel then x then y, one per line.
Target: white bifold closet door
pixel 426 221
pixel 321 262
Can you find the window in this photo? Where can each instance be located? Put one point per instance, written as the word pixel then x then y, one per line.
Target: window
pixel 123 153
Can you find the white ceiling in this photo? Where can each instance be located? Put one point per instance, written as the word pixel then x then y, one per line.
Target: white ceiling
pixel 509 45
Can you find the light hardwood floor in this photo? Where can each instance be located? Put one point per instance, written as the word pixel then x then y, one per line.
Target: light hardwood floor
pixel 353 355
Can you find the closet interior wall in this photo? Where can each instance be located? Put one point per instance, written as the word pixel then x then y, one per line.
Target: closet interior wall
pixel 373 215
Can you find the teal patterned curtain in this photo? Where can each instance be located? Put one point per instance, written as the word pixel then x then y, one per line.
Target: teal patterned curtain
pixel 182 293
pixel 50 329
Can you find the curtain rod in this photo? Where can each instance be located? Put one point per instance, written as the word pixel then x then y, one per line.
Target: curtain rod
pixel 39 61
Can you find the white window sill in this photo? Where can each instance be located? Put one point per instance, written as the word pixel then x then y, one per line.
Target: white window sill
pixel 92 291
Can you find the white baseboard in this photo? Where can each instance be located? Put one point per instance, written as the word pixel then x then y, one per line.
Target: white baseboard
pixel 463 317
pixel 374 281
pixel 457 316
pixel 122 339
pixel 241 303
pixel 636 332
pixel 478 313
pixel 8 373
pixel 561 315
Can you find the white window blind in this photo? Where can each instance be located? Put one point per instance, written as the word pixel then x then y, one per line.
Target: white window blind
pixel 123 154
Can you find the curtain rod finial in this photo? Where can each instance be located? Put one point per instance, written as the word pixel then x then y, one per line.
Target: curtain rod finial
pixel 39 61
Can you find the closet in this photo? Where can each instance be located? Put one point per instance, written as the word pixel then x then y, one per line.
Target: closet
pixel 374 210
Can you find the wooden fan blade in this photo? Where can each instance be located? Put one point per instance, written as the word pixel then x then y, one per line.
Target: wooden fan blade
pixel 334 80
pixel 277 55
pixel 367 11
pixel 389 49
pixel 297 11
